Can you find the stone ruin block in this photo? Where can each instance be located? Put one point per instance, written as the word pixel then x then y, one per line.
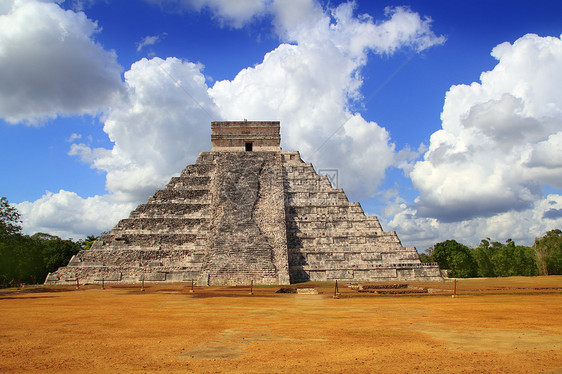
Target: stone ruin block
pixel 52 277
pixel 339 274
pixel 74 261
pixel 153 277
pixel 109 277
pixel 380 273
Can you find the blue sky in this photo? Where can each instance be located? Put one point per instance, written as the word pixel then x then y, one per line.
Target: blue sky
pixel 93 120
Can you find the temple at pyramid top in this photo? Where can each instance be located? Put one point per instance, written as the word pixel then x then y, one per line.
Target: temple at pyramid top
pixel 245 136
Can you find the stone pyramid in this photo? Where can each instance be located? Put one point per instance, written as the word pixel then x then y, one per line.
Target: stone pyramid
pixel 247 211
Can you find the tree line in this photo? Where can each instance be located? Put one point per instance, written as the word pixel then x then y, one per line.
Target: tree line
pixel 495 259
pixel 28 259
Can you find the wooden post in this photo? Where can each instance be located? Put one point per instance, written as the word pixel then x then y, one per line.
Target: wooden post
pixel 455 288
pixel 336 291
pixel 142 288
pixel 102 284
pixel 77 283
pixel 252 287
pixel 192 290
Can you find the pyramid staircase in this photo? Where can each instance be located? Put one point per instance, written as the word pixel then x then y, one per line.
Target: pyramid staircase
pixel 330 238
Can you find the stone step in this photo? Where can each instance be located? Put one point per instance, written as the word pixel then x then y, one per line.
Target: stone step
pixel 338 236
pixel 303 209
pixel 149 240
pixel 189 182
pixel 198 169
pixel 163 224
pixel 182 208
pixel 333 219
pixel 176 196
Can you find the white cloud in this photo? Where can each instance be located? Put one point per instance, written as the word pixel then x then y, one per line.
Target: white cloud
pixel 80 5
pixel 66 214
pixel 500 141
pixel 150 40
pixel 73 137
pixel 161 121
pixel 158 127
pixel 485 170
pixel 87 154
pixel 311 85
pixel 50 64
pixel 304 22
pixel 232 13
pixel 522 226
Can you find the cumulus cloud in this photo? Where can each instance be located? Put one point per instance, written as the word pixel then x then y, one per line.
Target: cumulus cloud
pixel 232 13
pixel 484 172
pixel 310 86
pixel 158 127
pixel 304 22
pixel 66 214
pixel 51 64
pixel 160 121
pixel 521 226
pixel 500 141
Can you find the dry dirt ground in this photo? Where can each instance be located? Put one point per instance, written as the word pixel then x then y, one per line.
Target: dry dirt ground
pixel 511 325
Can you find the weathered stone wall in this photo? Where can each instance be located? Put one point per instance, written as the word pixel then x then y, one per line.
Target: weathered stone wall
pixel 232 136
pixel 330 238
pixel 130 266
pixel 247 235
pixel 162 240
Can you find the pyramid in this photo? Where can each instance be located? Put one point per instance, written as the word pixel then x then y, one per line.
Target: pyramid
pixel 247 211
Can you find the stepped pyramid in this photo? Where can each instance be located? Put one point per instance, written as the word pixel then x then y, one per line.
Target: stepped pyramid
pixel 247 211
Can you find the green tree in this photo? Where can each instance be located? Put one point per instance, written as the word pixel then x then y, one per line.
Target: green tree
pixel 455 256
pixel 28 259
pixel 483 255
pixel 55 251
pixel 20 260
pixel 496 259
pixel 8 260
pixel 9 219
pixel 88 241
pixel 426 257
pixel 548 253
pixel 511 260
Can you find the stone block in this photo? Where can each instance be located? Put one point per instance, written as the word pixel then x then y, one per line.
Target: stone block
pixel 339 274
pixel 307 291
pixel 109 277
pixel 74 261
pixel 153 277
pixel 52 277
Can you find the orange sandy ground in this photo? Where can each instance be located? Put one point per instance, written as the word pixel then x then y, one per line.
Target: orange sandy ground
pixel 511 325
